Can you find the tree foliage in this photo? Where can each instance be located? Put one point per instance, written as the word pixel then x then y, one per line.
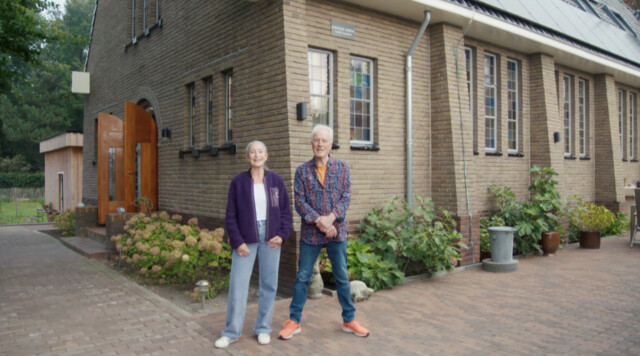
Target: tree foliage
pixel 42 105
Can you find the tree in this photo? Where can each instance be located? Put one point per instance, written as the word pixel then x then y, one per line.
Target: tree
pixel 23 33
pixel 42 105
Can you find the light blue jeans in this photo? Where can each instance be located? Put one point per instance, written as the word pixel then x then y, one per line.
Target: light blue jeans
pixel 337 252
pixel 241 270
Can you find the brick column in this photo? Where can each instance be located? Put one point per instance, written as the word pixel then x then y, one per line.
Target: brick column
pixel 86 217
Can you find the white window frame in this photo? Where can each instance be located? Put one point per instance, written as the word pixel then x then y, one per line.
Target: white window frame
pixel 228 106
pixel 491 88
pixel 192 114
pixel 632 126
pixel 513 113
pixel 567 92
pixel 209 109
pixel 621 96
pixel 468 55
pixel 329 69
pixel 582 116
pixel 371 95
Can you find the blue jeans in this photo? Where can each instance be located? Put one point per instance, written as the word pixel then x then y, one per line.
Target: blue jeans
pixel 241 270
pixel 337 252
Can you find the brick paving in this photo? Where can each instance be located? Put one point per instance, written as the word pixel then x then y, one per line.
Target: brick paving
pixel 581 302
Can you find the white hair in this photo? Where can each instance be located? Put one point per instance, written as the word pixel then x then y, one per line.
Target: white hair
pixel 319 127
pixel 255 142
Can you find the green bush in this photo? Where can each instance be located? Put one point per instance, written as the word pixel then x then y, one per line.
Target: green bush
pixel 165 251
pixel 66 222
pixel 485 238
pixel 366 266
pixel 531 217
pixel 416 241
pixel 619 226
pixel 21 180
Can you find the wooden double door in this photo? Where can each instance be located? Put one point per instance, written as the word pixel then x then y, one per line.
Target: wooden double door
pixel 127 154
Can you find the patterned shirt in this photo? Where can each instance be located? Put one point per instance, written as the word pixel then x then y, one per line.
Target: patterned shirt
pixel 313 199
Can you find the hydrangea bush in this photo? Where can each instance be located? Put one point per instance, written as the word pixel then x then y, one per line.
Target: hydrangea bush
pixel 163 250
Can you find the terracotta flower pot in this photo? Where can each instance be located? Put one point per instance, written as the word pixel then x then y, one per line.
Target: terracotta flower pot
pixel 590 239
pixel 550 242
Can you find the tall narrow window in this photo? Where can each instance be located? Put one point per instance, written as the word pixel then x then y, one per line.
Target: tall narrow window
pixel 468 59
pixel 209 101
pixel 632 126
pixel 192 115
pixel 133 21
pixel 490 103
pixel 582 112
pixel 513 126
pixel 228 108
pixel 621 121
pixel 361 103
pixel 145 9
pixel 567 114
pixel 321 86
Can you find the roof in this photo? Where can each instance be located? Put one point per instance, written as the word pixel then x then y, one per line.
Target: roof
pixel 526 26
pixel 63 140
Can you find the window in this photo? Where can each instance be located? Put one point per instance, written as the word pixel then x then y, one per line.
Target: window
pixel 513 125
pixel 361 103
pixel 490 103
pixel 621 121
pixel 582 116
pixel 632 126
pixel 209 101
pixel 468 57
pixel 228 109
pixel 567 114
pixel 133 21
pixel 192 115
pixel 321 86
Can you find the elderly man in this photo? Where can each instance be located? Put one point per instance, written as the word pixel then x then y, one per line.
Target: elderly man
pixel 322 194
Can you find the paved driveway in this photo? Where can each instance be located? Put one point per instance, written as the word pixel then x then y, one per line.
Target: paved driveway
pixel 580 302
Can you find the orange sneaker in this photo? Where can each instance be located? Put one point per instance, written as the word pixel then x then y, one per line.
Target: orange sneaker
pixel 355 327
pixel 290 328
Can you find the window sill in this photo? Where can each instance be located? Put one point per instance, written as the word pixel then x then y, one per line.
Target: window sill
pixel 145 33
pixel 585 158
pixel 335 146
pixel 634 160
pixel 372 147
pixel 475 153
pixel 496 153
pixel 569 157
pixel 625 160
pixel 516 154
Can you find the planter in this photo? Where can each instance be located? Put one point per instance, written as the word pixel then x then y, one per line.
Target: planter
pixel 549 242
pixel 501 239
pixel 590 239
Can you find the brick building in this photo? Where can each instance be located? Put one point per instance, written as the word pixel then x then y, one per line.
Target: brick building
pixel 494 89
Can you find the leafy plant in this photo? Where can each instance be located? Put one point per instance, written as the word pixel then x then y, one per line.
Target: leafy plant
pixel 366 266
pixel 417 240
pixel 165 251
pixel 485 238
pixel 531 217
pixel 143 204
pixel 620 225
pixel 592 217
pixel 66 222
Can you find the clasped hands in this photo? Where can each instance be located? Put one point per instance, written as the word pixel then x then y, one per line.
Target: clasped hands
pixel 325 224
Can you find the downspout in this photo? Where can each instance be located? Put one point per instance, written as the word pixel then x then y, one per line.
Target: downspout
pixel 423 27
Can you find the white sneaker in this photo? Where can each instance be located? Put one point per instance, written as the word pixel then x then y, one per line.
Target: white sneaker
pixel 223 342
pixel 264 338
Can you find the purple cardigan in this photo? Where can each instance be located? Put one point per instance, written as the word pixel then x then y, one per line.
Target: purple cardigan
pixel 241 213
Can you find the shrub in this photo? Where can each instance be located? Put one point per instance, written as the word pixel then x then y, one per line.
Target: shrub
pixel 366 266
pixel 66 222
pixel 21 180
pixel 592 217
pixel 485 238
pixel 416 241
pixel 165 251
pixel 620 225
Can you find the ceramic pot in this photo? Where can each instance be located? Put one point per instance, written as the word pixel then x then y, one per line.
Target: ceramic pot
pixel 549 242
pixel 590 239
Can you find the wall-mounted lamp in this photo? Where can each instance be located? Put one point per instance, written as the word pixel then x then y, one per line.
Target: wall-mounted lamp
pixel 301 111
pixel 556 137
pixel 166 133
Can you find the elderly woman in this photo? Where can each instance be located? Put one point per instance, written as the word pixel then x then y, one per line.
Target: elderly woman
pixel 258 221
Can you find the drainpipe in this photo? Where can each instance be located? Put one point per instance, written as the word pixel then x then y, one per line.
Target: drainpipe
pixel 423 27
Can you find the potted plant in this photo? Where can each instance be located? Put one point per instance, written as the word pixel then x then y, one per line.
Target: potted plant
pixel 591 219
pixel 546 200
pixel 144 204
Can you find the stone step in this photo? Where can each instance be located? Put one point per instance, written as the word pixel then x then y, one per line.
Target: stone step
pixel 98 234
pixel 87 247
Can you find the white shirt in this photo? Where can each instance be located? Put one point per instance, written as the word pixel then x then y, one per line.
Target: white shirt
pixel 260 198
